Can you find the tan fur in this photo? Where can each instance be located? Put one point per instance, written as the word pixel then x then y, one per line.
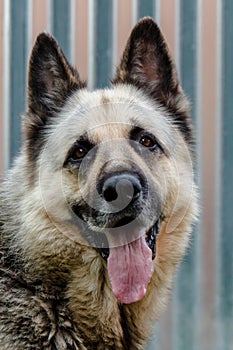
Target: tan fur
pixel 62 289
pixel 89 286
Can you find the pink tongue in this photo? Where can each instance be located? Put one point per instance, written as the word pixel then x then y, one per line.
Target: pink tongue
pixel 130 270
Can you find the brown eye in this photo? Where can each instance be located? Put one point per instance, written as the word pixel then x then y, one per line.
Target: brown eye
pixel 147 141
pixel 79 153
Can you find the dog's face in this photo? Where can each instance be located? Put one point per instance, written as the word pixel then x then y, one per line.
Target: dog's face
pixel 113 165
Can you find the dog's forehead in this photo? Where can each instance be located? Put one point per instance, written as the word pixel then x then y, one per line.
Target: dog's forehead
pixel 108 131
pixel 109 114
pixel 114 112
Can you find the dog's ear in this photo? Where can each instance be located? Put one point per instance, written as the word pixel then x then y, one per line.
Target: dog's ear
pixel 146 63
pixel 51 79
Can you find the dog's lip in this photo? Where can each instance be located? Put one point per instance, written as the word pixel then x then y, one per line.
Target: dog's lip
pixel 113 221
pixel 150 237
pixel 98 238
pixel 151 240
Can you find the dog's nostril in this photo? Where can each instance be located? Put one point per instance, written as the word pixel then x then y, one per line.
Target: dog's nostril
pixel 110 193
pixel 121 187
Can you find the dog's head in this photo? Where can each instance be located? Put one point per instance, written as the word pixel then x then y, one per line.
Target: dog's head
pixel 113 165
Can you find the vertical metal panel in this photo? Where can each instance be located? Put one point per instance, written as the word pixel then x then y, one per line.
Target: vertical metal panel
pixel 6 84
pixel 188 12
pixel 184 334
pixel 39 17
pixel 198 126
pixel 123 26
pixel 177 36
pixel 218 166
pixel 168 27
pixel 103 40
pixel 157 10
pixel 61 24
pixel 167 22
pixel 81 38
pixel 49 15
pixel 73 6
pixel 134 11
pixel 227 179
pixel 146 8
pixel 185 290
pixel 1 87
pixel 18 64
pixel 208 176
pixel 29 23
pixel 91 44
pixel 114 34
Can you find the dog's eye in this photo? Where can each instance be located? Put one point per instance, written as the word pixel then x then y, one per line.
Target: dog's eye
pixel 148 142
pixel 79 152
pixel 76 154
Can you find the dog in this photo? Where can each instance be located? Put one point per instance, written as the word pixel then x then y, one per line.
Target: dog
pixel 97 210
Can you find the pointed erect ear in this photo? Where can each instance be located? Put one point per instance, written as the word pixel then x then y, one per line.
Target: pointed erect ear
pixel 146 61
pixel 51 79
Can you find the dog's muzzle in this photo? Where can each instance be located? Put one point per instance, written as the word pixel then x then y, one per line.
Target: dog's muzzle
pixel 123 196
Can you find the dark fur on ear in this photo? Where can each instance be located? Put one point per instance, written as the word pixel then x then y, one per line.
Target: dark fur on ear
pixel 146 63
pixel 51 80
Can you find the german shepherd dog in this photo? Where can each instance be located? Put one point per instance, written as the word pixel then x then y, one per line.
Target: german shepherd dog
pixel 96 213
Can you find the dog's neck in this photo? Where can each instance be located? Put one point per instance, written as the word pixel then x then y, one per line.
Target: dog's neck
pixel 78 277
pixel 102 321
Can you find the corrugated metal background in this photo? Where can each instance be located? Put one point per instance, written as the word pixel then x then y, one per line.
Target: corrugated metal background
pixel 92 34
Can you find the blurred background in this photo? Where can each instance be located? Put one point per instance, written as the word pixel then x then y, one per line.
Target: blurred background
pixel 92 34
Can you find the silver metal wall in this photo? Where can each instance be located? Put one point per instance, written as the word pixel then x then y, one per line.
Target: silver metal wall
pixel 200 34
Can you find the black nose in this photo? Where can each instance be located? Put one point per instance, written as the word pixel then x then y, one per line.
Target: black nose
pixel 122 188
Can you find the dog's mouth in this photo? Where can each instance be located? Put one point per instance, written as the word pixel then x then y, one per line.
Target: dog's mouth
pixel 150 238
pixel 128 250
pixel 130 265
pixel 129 259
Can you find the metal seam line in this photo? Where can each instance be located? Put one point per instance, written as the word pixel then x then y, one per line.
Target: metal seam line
pixel 114 35
pixel 218 208
pixel 6 86
pixel 91 44
pixel 49 16
pixel 30 21
pixel 72 31
pixel 157 11
pixel 134 12
pixel 175 303
pixel 177 36
pixel 198 149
